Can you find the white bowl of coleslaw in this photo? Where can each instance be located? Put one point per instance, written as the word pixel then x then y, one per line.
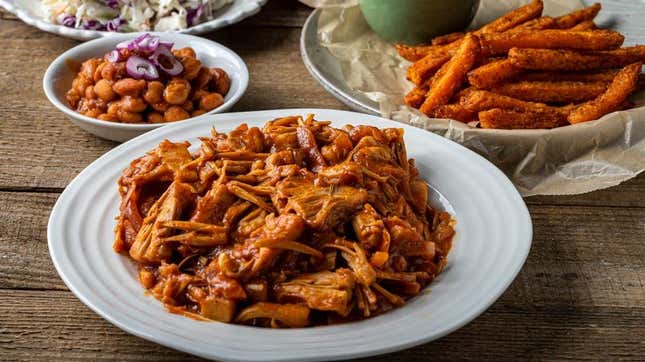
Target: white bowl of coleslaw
pixel 91 19
pixel 60 73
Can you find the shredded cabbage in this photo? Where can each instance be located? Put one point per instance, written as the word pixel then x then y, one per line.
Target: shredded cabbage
pixel 131 15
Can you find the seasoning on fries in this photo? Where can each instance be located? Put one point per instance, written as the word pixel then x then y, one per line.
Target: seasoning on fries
pixel 525 71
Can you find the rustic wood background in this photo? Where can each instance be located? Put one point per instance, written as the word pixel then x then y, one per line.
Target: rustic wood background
pixel 580 295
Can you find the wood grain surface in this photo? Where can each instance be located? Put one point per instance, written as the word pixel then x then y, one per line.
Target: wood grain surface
pixel 580 296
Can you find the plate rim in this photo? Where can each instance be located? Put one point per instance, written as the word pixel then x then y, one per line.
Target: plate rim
pixel 145 333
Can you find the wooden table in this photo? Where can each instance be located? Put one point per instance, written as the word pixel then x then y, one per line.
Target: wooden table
pixel 581 294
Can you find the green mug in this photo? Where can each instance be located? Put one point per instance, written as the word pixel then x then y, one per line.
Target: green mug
pixel 414 22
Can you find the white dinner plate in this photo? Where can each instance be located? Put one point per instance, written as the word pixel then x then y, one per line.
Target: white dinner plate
pixel 30 12
pixel 493 238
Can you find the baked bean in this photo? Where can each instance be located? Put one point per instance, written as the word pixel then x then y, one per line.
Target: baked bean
pixel 197 112
pixel 129 87
pixel 108 117
pixel 94 112
pixel 203 78
pixel 86 104
pixel 113 108
pixel 154 92
pixel 113 71
pixel 192 66
pixel 133 104
pixel 80 83
pixel 188 105
pixel 211 101
pixel 184 52
pixel 129 117
pixel 175 113
pixel 73 97
pixel 220 83
pixel 160 107
pixel 90 93
pixel 199 94
pixel 154 117
pixel 176 91
pixel 103 89
pixel 97 73
pixel 89 67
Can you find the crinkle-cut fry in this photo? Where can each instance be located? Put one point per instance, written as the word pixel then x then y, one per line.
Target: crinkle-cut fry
pixel 493 73
pixel 426 67
pixel 513 18
pixel 452 74
pixel 584 26
pixel 578 16
pixel 552 39
pixel 620 88
pixel 569 60
pixel 447 38
pixel 544 22
pixel 551 92
pixel 415 97
pixel 601 76
pixel 480 100
pixel 454 111
pixel 510 119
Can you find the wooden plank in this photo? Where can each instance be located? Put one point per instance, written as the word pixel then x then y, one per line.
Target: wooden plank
pixel 583 256
pixel 41 148
pixel 48 325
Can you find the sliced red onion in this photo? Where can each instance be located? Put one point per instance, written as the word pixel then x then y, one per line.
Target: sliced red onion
pixel 113 56
pixel 163 58
pixel 138 68
pixel 166 44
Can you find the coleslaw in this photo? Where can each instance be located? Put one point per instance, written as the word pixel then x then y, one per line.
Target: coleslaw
pixel 131 15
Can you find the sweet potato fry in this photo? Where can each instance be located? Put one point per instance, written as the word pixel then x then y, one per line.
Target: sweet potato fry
pixel 415 97
pixel 584 26
pixel 602 76
pixel 551 59
pixel 578 16
pixel 493 73
pixel 510 119
pixel 556 92
pixel 513 18
pixel 452 74
pixel 479 100
pixel 620 88
pixel 426 67
pixel 414 53
pixel 447 38
pixel 454 111
pixel 552 39
pixel 501 24
pixel 541 23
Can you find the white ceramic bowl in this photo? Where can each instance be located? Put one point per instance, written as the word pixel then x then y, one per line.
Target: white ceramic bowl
pixel 58 79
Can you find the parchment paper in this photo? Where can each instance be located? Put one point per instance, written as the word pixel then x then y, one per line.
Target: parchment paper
pixel 567 160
